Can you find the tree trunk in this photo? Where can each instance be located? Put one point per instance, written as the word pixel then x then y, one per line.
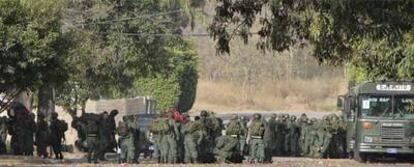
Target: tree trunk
pixel 46 103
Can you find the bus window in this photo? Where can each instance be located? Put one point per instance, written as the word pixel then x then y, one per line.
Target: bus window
pixel 404 107
pixel 376 106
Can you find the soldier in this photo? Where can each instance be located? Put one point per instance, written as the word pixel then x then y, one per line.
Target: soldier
pixel 91 122
pixel 193 137
pixel 126 141
pixel 172 139
pixel 57 130
pixel 206 148
pixel 42 136
pixel 105 135
pixel 112 130
pixel 227 149
pixel 279 139
pixel 256 131
pixel 243 135
pixel 157 134
pixel 313 139
pixel 293 136
pixel 324 136
pixel 3 134
pixel 303 127
pixel 269 138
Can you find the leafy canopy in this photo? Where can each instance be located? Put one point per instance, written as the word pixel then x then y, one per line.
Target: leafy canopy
pixel 372 36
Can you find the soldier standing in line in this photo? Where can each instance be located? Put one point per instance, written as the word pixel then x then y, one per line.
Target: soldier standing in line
pixel 91 122
pixel 172 138
pixel 193 137
pixel 279 135
pixel 243 135
pixel 206 148
pixel 157 135
pixel 3 134
pixel 57 130
pixel 269 138
pixel 303 125
pixel 294 136
pixel 29 125
pixel 256 131
pixel 42 136
pixel 126 141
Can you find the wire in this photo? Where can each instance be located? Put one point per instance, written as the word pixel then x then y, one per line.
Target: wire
pixel 130 18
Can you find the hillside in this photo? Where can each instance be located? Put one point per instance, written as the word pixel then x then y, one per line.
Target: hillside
pixel 249 79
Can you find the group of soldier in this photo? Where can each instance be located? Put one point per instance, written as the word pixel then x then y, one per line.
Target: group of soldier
pixel 205 139
pixel 96 134
pixel 25 132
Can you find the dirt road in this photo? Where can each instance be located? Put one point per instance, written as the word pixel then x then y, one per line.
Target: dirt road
pixel 277 161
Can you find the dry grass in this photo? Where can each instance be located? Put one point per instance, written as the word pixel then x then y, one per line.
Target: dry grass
pixel 288 95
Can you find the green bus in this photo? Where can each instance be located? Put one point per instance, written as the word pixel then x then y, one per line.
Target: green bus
pixel 380 119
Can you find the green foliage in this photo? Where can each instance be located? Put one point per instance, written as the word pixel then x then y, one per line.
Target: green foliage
pixel 372 36
pixel 122 52
pixel 32 46
pixel 176 86
pixel 165 90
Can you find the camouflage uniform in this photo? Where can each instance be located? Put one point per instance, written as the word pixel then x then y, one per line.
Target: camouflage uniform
pixel 57 133
pixel 91 122
pixel 193 136
pixel 269 138
pixel 42 136
pixel 171 141
pixel 3 134
pixel 243 135
pixel 303 125
pixel 207 145
pixel 227 149
pixel 293 134
pixel 257 146
pixel 126 142
pixel 157 135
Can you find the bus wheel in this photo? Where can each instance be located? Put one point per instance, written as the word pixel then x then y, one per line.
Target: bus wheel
pixel 360 157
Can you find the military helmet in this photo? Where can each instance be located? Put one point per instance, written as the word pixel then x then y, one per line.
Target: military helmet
pixel 114 112
pixel 234 117
pixel 273 116
pixel 242 117
pixel 293 118
pixel 303 115
pixel 257 116
pixel 54 115
pixel 204 113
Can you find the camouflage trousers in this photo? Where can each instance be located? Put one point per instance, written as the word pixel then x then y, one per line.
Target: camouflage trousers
pixel 257 150
pixel 92 146
pixel 191 151
pixel 127 149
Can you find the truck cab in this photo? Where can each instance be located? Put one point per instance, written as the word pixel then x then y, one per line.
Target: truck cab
pixel 380 119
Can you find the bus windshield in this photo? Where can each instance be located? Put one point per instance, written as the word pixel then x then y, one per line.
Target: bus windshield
pixel 376 106
pixel 381 106
pixel 404 107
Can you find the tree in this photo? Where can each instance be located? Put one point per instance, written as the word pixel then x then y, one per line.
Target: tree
pixel 131 42
pixel 31 47
pixel 372 36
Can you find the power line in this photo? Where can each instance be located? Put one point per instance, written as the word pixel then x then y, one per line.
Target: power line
pixel 130 18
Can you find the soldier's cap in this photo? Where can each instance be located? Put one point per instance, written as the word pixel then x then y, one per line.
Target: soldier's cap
pixel 114 112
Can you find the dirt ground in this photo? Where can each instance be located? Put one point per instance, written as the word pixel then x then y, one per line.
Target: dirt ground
pixel 79 160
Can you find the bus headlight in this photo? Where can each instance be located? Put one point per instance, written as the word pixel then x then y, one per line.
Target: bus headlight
pixel 368 139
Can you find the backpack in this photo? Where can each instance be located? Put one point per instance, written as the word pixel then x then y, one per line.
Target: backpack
pixel 233 128
pixel 257 129
pixel 62 126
